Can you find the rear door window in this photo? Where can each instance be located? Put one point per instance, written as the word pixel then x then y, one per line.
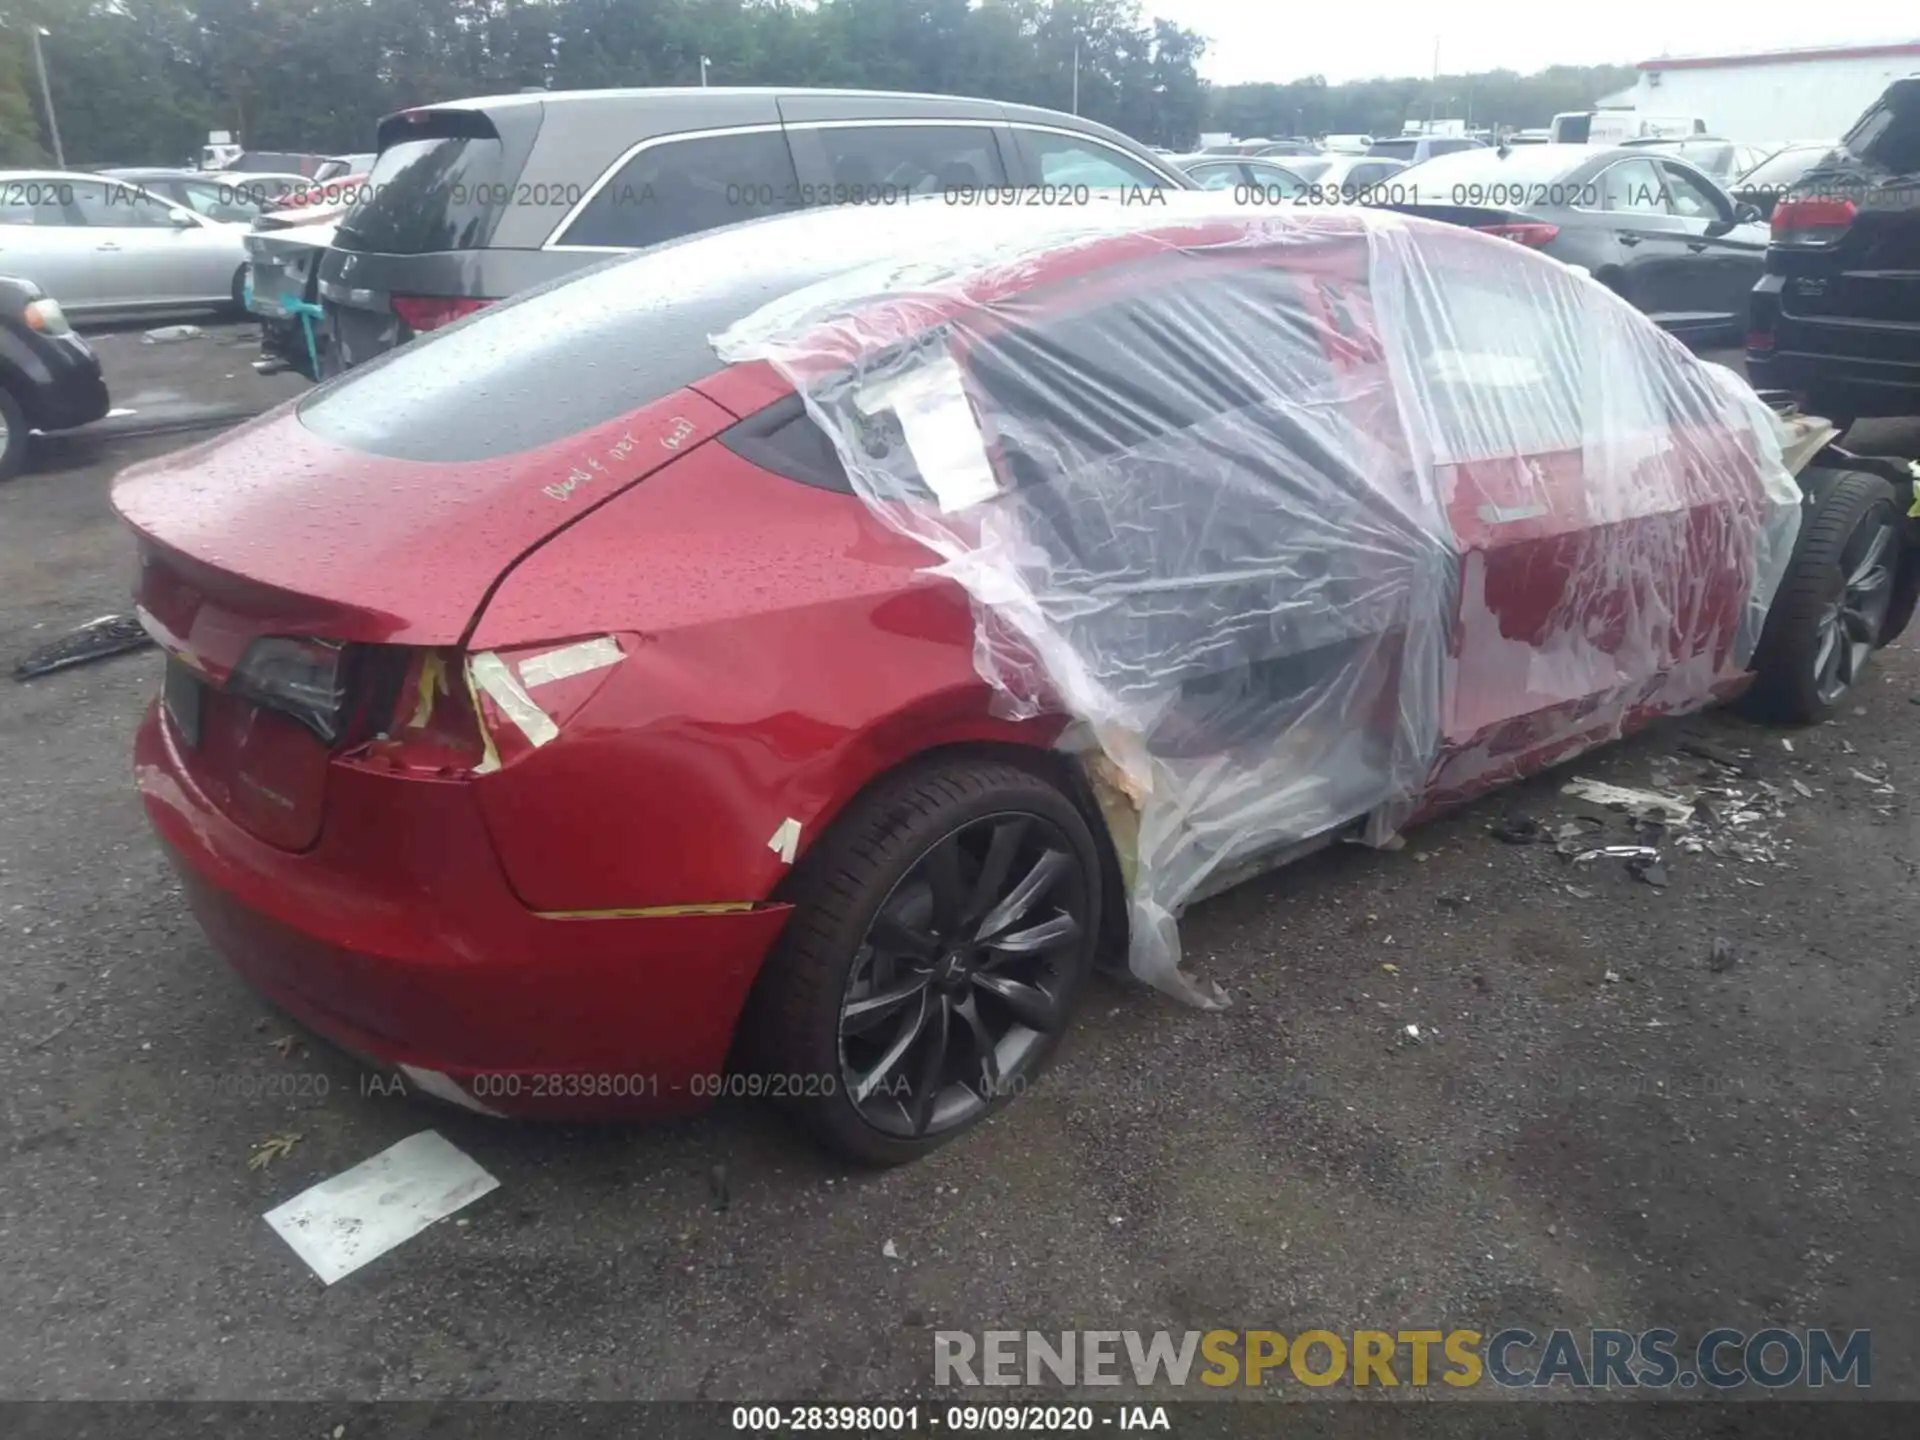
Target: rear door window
pixel 687 184
pixel 1082 160
pixel 865 164
pixel 119 205
pixel 1688 196
pixel 1633 187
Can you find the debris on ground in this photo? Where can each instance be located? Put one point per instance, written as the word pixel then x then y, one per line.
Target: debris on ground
pixel 890 1250
pixel 1673 811
pixel 1515 830
pixel 1641 853
pixel 95 640
pixel 1718 754
pixel 1722 957
pixel 1648 870
pixel 168 333
pixel 1880 782
pixel 717 1183
pixel 274 1147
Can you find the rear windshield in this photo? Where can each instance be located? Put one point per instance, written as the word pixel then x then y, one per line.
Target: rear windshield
pixel 440 183
pixel 1398 149
pixel 579 350
pixel 1888 135
pixel 1787 166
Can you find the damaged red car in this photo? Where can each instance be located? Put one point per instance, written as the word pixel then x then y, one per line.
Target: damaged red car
pixel 788 660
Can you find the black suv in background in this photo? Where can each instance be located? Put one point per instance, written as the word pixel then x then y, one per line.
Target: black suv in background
pixel 1836 317
pixel 477 200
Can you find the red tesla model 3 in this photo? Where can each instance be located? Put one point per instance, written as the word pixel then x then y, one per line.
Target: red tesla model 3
pixel 551 716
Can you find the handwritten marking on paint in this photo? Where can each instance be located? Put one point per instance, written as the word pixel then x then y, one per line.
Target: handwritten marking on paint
pixel 593 468
pixel 786 840
pixel 676 432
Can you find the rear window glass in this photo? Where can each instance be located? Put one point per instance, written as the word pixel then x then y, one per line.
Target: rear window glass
pixel 567 355
pixel 1888 135
pixel 433 191
pixel 682 187
pixel 1399 149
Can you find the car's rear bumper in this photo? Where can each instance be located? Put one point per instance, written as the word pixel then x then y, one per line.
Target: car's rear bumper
pixel 423 960
pixel 1836 364
pixel 59 381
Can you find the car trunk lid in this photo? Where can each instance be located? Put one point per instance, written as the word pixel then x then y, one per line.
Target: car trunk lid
pixel 293 579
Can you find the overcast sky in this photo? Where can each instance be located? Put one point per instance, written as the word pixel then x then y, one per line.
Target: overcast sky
pixel 1268 40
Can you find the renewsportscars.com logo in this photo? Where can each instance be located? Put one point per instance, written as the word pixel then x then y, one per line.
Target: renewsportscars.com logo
pixel 1721 1359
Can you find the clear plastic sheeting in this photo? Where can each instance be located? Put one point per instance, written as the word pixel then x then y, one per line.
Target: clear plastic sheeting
pixel 1311 521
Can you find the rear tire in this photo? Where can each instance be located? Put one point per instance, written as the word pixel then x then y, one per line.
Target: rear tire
pixel 239 293
pixel 915 990
pixel 13 436
pixel 1833 605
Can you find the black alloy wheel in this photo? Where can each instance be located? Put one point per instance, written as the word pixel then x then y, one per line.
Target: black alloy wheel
pixel 942 929
pixel 957 982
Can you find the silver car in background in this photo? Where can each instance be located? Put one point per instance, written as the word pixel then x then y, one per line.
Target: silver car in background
pixel 103 245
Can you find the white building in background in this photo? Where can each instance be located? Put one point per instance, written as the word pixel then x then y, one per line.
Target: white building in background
pixel 1777 95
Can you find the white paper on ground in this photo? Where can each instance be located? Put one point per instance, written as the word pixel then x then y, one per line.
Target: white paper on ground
pixel 360 1214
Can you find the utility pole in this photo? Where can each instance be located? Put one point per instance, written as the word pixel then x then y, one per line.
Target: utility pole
pixel 46 95
pixel 1076 74
pixel 704 63
pixel 1433 89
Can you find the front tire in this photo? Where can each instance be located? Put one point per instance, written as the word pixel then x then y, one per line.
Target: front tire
pixel 13 436
pixel 1833 605
pixel 942 931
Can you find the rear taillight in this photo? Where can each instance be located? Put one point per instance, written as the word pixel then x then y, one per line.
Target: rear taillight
pixel 421 313
pixel 46 316
pixel 1811 220
pixel 1759 340
pixel 1531 233
pixel 302 678
pixel 429 725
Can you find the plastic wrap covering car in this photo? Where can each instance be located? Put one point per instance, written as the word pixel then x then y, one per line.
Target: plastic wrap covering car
pixel 1311 521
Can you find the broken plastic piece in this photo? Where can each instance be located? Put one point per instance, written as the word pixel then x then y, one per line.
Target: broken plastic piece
pixel 95 640
pixel 1669 810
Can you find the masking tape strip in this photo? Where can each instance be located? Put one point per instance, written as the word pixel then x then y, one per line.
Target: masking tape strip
pixel 570 660
pixel 491 674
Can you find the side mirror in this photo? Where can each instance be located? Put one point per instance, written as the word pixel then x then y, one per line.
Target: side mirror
pixel 181 219
pixel 1747 214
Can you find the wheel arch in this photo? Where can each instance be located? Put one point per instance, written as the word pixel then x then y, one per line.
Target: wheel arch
pixel 1058 767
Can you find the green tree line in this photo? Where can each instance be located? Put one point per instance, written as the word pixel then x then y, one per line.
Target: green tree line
pixel 143 81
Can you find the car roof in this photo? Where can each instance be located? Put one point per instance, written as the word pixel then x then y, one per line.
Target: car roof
pixel 694 97
pixel 686 95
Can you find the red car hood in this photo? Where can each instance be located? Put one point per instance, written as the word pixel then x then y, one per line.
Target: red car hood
pixel 273 529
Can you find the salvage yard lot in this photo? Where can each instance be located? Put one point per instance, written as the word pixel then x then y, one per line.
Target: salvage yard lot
pixel 1627 1105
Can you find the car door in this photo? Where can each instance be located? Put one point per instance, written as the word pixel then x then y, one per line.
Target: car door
pixel 1652 242
pixel 1725 256
pixel 150 253
pixel 41 239
pixel 870 162
pixel 1597 510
